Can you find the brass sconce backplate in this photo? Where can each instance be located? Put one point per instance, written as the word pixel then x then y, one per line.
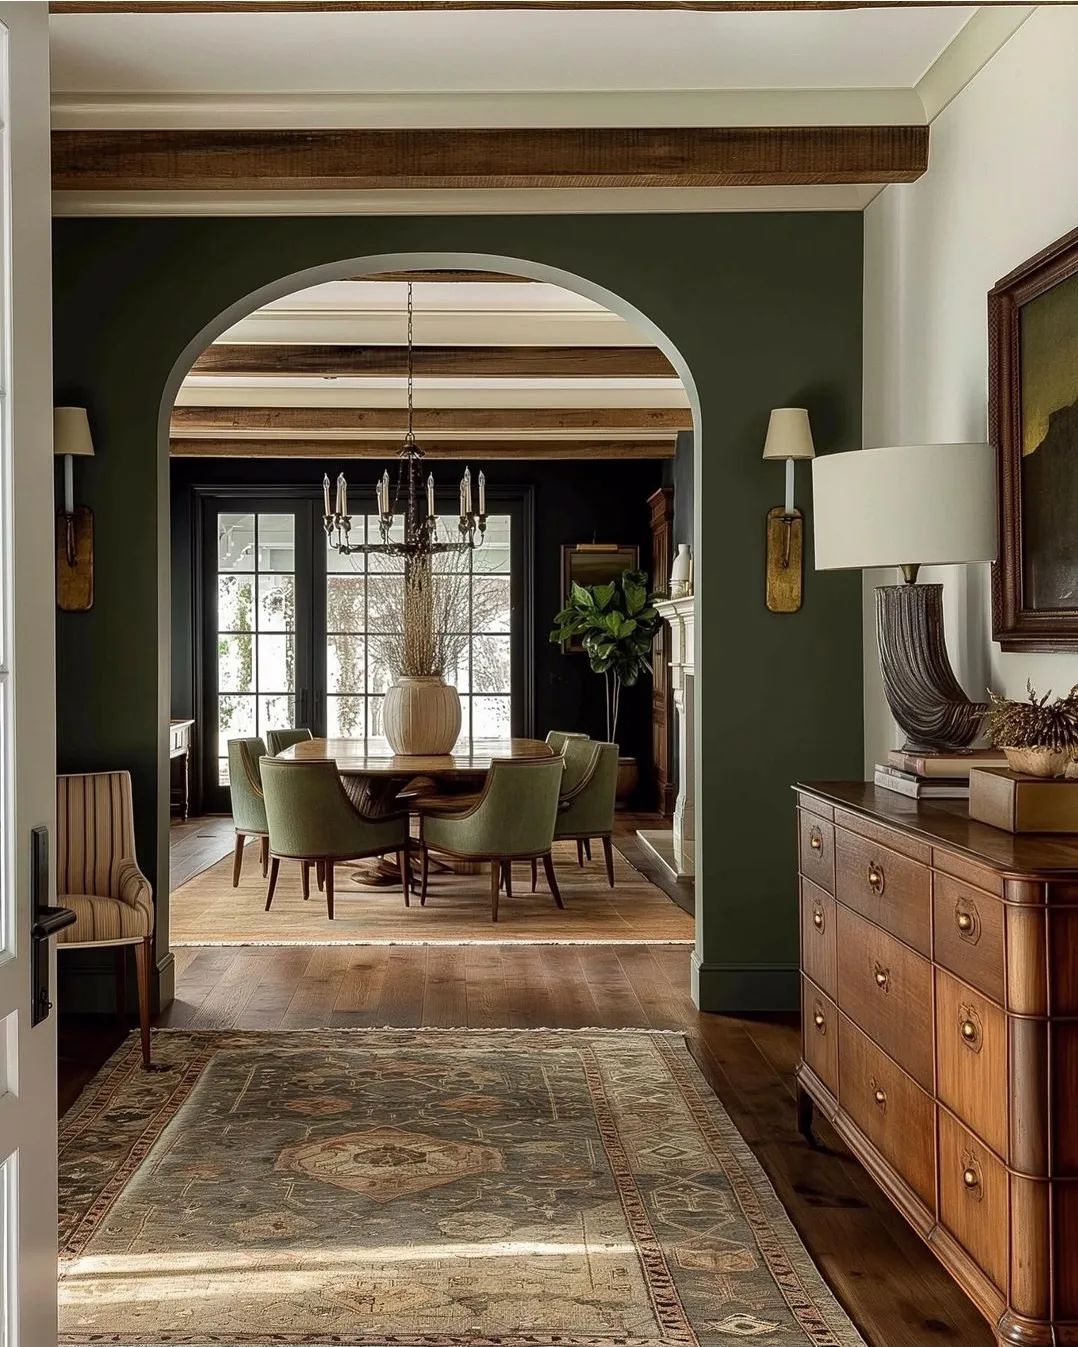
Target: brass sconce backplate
pixel 75 560
pixel 785 537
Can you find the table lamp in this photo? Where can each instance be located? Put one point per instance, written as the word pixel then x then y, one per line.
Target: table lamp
pixel 917 505
pixel 71 439
pixel 789 437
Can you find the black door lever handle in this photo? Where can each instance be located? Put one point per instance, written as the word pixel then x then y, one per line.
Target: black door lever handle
pixel 49 920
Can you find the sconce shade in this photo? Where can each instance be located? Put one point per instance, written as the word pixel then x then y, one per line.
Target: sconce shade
pixel 789 434
pixel 71 432
pixel 920 505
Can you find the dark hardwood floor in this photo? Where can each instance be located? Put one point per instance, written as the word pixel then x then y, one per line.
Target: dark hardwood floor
pixel 885 1278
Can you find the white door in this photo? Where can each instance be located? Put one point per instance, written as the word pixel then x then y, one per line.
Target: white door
pixel 27 675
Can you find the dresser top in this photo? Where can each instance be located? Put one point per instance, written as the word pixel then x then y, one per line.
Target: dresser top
pixel 946 823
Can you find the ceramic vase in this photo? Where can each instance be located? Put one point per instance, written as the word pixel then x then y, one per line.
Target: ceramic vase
pixel 421 716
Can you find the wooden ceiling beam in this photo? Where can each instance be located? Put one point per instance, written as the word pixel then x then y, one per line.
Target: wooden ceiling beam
pixel 233 358
pixel 438 449
pixel 270 421
pixel 362 6
pixel 536 157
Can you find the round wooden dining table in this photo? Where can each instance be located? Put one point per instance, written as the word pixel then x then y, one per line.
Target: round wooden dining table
pixel 382 782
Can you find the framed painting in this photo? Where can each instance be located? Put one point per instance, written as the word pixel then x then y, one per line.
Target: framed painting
pixel 1033 418
pixel 594 564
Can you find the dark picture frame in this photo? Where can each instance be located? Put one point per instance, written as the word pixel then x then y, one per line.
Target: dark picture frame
pixel 593 564
pixel 1030 351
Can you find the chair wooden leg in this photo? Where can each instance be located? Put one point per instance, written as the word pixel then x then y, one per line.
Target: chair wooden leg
pixel 535 873
pixel 424 877
pixel 495 887
pixel 143 959
pixel 329 889
pixel 580 852
pixel 552 879
pixel 275 865
pixel 120 959
pixel 608 852
pixel 587 847
pixel 320 874
pixel 507 871
pixel 265 856
pixel 237 864
pixel 305 877
pixel 404 861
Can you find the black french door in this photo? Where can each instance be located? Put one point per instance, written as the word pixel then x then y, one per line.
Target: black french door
pixel 290 629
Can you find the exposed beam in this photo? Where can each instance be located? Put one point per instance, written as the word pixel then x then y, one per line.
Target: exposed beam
pixel 361 6
pixel 270 421
pixel 437 449
pixel 623 362
pixel 607 157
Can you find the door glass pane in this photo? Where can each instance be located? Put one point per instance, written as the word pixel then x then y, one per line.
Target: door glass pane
pixel 256 626
pixel 364 597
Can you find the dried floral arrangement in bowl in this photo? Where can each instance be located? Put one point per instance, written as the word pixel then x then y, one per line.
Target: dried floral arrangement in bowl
pixel 1038 736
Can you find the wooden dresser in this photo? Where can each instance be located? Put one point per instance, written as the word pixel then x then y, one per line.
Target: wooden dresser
pixel 939 962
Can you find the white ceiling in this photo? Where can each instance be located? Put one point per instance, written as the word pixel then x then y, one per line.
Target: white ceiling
pixel 498 50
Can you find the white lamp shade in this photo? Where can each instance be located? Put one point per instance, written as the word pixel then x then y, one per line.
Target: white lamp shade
pixel 71 432
pixel 789 434
pixel 922 504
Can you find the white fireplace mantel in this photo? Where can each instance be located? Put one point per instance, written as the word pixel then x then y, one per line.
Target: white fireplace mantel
pixel 677 850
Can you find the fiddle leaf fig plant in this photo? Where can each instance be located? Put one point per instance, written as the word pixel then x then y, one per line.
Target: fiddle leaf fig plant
pixel 616 624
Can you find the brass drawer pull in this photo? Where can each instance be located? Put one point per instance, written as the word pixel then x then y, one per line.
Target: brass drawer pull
pixel 970 1179
pixel 876 878
pixel 816 839
pixel 971 1175
pixel 882 976
pixel 817 916
pixel 879 1094
pixel 965 918
pixel 818 1019
pixel 969 1027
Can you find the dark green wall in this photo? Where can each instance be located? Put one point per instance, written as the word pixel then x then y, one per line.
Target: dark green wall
pixel 764 310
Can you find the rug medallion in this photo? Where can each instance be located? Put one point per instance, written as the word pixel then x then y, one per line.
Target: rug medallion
pixel 423 1189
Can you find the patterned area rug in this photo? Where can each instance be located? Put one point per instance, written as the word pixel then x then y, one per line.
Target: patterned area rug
pixel 424 1188
pixel 207 910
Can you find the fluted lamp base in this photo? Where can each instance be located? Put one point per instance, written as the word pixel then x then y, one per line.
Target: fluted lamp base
pixel 925 697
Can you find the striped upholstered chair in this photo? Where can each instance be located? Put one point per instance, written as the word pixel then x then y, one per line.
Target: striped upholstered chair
pixel 98 878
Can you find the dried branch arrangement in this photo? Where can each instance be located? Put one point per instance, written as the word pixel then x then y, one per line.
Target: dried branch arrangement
pixel 1034 723
pixel 424 617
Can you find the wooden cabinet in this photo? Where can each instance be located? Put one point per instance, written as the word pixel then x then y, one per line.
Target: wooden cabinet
pixel 940 1036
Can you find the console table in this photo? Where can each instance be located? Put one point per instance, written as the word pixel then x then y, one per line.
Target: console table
pixel 179 752
pixel 939 962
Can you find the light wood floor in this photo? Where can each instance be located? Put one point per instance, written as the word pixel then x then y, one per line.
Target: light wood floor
pixel 885 1278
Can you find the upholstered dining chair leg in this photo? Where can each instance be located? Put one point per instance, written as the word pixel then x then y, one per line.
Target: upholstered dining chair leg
pixel 580 852
pixel 552 879
pixel 305 876
pixel 143 960
pixel 507 871
pixel 424 875
pixel 275 865
pixel 237 864
pixel 329 889
pixel 320 874
pixel 587 847
pixel 608 852
pixel 535 873
pixel 265 855
pixel 495 887
pixel 404 861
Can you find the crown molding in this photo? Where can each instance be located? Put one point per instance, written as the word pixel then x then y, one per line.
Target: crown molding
pixel 987 31
pixel 399 110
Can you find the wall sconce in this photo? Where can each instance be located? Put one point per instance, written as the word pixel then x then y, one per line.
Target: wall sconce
pixel 789 437
pixel 74 527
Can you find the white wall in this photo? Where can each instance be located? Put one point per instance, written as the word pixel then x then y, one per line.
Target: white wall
pixel 1002 184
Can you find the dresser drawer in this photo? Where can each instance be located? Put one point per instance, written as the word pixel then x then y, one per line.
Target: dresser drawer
pixel 971 1051
pixel 886 989
pixel 974 1199
pixel 818 951
pixel 819 1033
pixel 892 890
pixel 817 850
pixel 893 1112
pixel 968 928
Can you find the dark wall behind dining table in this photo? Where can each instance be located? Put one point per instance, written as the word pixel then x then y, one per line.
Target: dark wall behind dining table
pixel 574 502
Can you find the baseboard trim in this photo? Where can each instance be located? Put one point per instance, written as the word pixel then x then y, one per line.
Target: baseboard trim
pixel 735 989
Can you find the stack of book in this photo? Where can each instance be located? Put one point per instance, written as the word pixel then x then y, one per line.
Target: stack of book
pixel 933 776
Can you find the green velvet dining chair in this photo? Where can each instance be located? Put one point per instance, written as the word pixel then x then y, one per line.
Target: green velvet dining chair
pixel 512 820
pixel 278 740
pixel 312 820
pixel 557 739
pixel 248 805
pixel 586 806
